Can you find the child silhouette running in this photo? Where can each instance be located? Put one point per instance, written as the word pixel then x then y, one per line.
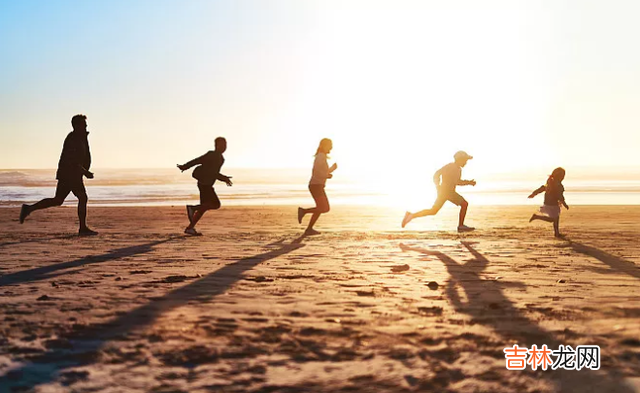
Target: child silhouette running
pixel 446 180
pixel 553 198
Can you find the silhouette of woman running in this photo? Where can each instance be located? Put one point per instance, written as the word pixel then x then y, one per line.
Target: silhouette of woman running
pixel 321 172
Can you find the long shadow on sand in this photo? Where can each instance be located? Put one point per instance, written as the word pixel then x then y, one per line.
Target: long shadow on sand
pixel 615 263
pixel 46 367
pixel 50 271
pixel 489 306
pixel 39 239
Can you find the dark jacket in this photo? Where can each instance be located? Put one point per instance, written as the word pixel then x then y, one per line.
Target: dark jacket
pixel 75 156
pixel 208 170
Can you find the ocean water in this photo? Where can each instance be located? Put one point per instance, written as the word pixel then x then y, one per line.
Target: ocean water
pixel 166 187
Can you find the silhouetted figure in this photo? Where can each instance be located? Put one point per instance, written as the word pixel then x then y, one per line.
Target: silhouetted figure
pixel 321 172
pixel 446 180
pixel 75 162
pixel 207 172
pixel 553 198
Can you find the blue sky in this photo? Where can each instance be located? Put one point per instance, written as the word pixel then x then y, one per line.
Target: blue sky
pixel 520 84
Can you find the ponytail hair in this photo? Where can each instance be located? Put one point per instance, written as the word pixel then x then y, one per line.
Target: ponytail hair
pixel 557 175
pixel 322 147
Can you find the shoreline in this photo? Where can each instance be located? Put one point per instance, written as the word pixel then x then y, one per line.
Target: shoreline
pixel 230 204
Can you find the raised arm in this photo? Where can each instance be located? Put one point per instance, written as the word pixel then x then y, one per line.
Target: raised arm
pixel 195 161
pixel 538 191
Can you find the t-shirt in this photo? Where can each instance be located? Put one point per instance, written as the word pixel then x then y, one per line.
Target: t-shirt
pixel 554 193
pixel 320 171
pixel 450 175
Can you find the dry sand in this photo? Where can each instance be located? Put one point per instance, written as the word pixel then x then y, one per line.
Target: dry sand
pixel 249 307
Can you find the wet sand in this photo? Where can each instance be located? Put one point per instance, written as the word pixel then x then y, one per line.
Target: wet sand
pixel 252 307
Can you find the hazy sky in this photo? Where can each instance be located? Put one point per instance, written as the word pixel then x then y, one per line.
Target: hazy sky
pixel 399 85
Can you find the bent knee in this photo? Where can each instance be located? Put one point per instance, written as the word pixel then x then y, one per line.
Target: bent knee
pixel 464 203
pixel 325 209
pixel 211 206
pixel 58 201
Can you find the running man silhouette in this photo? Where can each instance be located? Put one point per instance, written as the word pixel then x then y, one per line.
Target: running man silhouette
pixel 321 172
pixel 207 172
pixel 74 164
pixel 446 180
pixel 553 198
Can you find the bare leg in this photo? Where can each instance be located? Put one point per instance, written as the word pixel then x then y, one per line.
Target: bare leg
pixel 81 194
pixel 62 190
pixel 556 227
pixel 45 204
pixel 82 212
pixel 463 213
pixel 303 212
pixel 200 210
pixel 322 206
pixel 316 212
pixel 313 220
pixel 425 213
pixel 437 205
pixel 211 202
pixel 307 211
pixel 541 218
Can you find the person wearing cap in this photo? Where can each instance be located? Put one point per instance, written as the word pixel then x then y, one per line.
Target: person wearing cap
pixel 446 180
pixel 73 167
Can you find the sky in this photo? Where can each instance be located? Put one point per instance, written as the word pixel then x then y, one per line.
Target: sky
pixel 398 85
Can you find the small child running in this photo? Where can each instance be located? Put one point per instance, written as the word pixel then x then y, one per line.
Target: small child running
pixel 446 179
pixel 553 198
pixel 207 172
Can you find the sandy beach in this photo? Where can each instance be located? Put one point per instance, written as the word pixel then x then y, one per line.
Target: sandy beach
pixel 364 307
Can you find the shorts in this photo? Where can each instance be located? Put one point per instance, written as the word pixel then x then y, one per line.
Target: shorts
pixel 208 197
pixel 552 211
pixel 319 196
pixel 450 196
pixel 70 184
